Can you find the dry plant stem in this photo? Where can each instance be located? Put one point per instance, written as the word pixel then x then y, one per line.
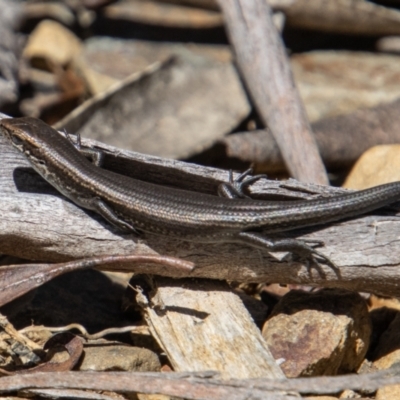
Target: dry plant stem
pixel 84 332
pixel 263 62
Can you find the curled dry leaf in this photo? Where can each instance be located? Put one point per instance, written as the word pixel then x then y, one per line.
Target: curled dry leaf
pixel 61 342
pixel 341 139
pixel 19 279
pixel 155 113
pixel 344 16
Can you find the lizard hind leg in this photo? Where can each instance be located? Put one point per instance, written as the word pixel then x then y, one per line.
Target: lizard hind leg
pixel 95 156
pixel 234 188
pixel 304 249
pixel 108 214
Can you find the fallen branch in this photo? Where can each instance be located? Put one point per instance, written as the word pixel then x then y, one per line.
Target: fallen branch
pixel 262 59
pixel 341 139
pixel 198 385
pixel 39 224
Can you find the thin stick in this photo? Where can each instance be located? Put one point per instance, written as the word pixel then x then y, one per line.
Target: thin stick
pixel 136 328
pixel 262 59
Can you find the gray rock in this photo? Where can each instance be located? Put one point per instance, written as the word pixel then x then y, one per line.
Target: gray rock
pixel 119 357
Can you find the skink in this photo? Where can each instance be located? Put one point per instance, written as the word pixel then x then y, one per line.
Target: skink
pixel 135 205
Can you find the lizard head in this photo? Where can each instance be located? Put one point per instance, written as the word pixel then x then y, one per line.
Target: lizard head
pixel 31 137
pixel 23 133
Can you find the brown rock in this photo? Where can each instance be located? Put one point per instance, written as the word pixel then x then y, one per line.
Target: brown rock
pixel 388 44
pixel 142 396
pixel 51 44
pixel 381 318
pixel 388 392
pixel 388 360
pixel 119 357
pixel 321 333
pixel 375 302
pixel 320 398
pixel 378 165
pixel 387 352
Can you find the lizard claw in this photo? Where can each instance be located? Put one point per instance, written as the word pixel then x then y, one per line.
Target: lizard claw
pixel 314 243
pixel 235 188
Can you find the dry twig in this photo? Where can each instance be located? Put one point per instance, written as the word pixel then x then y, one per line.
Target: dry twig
pixel 200 385
pixel 262 59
